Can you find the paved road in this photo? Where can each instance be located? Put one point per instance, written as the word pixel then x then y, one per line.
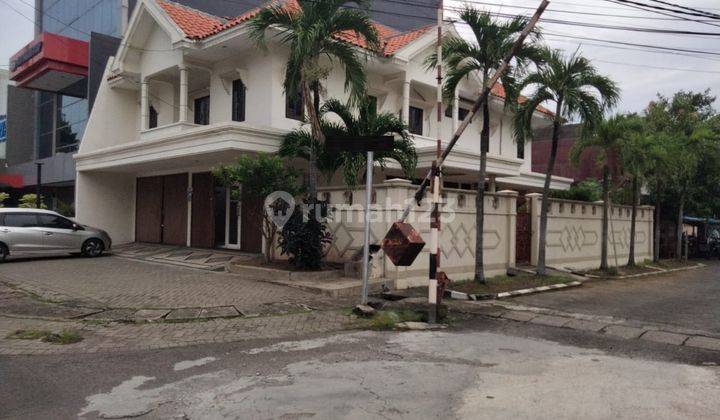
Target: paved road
pixel 689 299
pixel 495 369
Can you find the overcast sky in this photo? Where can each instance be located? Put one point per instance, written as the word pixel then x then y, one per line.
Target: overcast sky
pixel 634 70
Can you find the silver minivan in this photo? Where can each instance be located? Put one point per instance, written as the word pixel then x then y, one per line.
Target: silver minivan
pixel 34 231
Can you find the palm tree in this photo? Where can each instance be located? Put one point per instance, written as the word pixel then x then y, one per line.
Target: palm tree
pixel 577 90
pixel 367 122
pixel 605 139
pixel 311 29
pixel 635 158
pixel 495 38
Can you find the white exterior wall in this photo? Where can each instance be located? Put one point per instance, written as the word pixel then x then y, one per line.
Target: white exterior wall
pixel 107 201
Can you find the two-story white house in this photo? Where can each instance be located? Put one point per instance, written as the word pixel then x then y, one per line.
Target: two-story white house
pixel 189 90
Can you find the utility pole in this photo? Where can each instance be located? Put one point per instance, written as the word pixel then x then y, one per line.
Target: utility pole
pixel 38 185
pixel 435 227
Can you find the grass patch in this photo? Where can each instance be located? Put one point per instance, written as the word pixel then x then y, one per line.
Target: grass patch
pixel 505 283
pixel 29 334
pixel 386 320
pixel 670 264
pixel 623 271
pixel 63 337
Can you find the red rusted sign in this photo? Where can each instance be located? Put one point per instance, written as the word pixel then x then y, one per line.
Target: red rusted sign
pixel 402 244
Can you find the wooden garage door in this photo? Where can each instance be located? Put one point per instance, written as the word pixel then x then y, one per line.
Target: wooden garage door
pixel 175 209
pixel 251 224
pixel 203 211
pixel 148 209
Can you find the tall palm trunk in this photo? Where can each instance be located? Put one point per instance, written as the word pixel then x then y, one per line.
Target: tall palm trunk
pixel 541 270
pixel 605 217
pixel 656 235
pixel 679 231
pixel 317 133
pixel 635 203
pixel 480 197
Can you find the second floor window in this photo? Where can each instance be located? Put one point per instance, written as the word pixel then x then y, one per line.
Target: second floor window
pixel 294 106
pixel 238 101
pixel 462 112
pixel 153 117
pixel 520 149
pixel 202 110
pixel 415 120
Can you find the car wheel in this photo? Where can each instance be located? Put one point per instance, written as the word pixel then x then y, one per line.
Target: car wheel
pixel 93 248
pixel 4 252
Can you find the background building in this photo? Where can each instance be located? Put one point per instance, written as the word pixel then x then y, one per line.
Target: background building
pixel 56 77
pixel 4 78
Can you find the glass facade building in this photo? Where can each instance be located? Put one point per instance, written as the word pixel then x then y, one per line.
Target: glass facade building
pixel 61 119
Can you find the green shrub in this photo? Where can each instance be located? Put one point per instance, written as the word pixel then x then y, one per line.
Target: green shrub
pixel 588 190
pixel 303 239
pixel 29 201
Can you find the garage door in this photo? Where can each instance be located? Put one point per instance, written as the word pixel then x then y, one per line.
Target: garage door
pixel 161 209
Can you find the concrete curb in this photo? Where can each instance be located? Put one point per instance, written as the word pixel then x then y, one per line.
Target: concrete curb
pixel 660 270
pixel 611 327
pixel 452 294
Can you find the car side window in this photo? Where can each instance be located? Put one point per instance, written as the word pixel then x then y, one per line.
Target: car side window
pixel 21 220
pixel 55 222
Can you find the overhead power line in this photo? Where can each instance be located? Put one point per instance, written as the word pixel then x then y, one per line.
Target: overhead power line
pixel 679 6
pixel 678 11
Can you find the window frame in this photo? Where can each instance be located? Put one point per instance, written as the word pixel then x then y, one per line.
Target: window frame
pixel 414 111
pixel 238 101
pixel 292 112
pixel 196 115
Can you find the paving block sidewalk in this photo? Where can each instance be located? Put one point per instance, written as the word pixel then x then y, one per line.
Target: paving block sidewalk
pixel 123 337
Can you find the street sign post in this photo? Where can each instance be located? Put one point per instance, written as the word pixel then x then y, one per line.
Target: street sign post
pixel 368 144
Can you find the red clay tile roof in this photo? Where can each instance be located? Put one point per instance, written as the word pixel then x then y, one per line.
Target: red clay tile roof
pixel 198 25
pixel 394 43
pixel 193 23
pixel 499 91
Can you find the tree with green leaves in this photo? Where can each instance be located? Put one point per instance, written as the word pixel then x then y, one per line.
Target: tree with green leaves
pixel 260 176
pixel 573 84
pixel 604 139
pixel 311 32
pixel 494 38
pixel 684 123
pixel 366 122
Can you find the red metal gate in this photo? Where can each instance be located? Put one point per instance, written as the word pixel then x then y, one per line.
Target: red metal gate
pixel 523 235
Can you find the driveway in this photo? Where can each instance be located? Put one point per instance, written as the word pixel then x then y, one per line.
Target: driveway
pixel 688 299
pixel 116 282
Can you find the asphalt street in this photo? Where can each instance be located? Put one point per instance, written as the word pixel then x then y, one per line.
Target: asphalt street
pixel 480 367
pixel 689 299
pixel 483 368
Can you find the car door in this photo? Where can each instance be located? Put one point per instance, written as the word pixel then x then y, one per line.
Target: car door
pixel 21 232
pixel 59 233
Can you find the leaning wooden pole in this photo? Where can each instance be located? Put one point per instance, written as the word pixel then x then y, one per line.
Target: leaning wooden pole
pixel 420 192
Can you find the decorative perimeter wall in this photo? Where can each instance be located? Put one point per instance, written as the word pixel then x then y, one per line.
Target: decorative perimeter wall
pixel 574 231
pixel 574 234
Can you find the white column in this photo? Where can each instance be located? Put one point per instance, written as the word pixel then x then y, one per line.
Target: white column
pixel 492 187
pixel 144 105
pixel 406 101
pixel 183 114
pixel 456 112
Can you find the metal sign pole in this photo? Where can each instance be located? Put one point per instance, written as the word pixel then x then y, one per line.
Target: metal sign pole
pixel 366 242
